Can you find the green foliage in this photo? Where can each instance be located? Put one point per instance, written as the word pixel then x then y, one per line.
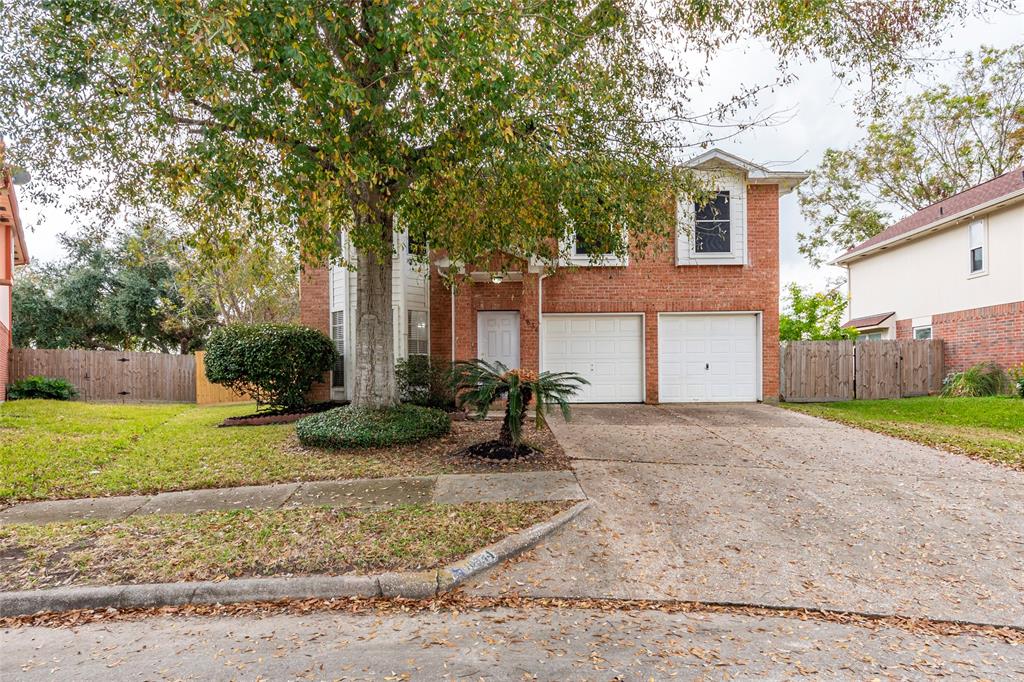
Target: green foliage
pixel 361 427
pixel 918 150
pixel 120 296
pixel 479 383
pixel 981 380
pixel 425 381
pixel 276 364
pixel 41 387
pixel 814 316
pixel 1017 379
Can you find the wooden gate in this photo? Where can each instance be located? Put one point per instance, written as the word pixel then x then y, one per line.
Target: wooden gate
pixel 823 371
pixel 113 375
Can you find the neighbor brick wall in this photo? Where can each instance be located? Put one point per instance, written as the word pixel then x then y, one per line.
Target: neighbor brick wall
pixel 315 311
pixel 993 333
pixel 650 284
pixel 5 359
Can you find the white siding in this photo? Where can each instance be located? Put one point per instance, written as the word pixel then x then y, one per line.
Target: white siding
pixel 734 183
pixel 931 275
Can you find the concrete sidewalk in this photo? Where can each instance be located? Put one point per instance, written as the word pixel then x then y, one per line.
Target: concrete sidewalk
pixel 369 493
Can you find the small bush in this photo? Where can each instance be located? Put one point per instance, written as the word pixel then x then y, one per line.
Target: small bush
pixel 983 379
pixel 358 427
pixel 1017 377
pixel 276 364
pixel 426 382
pixel 41 387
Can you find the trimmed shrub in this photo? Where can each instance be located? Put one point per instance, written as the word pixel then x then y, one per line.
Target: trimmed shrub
pixel 360 427
pixel 41 387
pixel 983 379
pixel 426 382
pixel 1017 377
pixel 276 364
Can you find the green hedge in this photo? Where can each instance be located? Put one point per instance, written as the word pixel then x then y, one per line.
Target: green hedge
pixel 41 387
pixel 277 364
pixel 355 427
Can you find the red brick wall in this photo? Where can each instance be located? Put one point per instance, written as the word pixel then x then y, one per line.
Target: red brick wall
pixel 5 358
pixel 315 311
pixel 650 284
pixel 993 333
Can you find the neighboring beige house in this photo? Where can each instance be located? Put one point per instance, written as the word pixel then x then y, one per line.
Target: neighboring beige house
pixel 952 271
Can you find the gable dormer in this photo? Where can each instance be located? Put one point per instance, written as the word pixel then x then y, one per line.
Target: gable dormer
pixel 715 232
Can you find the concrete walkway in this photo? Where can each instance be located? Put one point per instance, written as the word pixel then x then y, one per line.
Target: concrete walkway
pixel 759 505
pixel 370 493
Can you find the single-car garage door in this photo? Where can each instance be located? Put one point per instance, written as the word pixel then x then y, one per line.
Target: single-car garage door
pixel 607 350
pixel 708 358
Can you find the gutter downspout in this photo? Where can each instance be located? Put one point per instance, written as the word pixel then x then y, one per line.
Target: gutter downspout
pixel 453 321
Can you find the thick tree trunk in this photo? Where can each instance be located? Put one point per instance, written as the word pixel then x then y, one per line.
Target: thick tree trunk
pixel 374 380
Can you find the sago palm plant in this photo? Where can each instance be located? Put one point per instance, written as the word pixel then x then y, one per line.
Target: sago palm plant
pixel 479 383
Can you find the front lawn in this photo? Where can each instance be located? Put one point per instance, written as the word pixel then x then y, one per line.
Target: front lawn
pixel 55 450
pixel 991 428
pixel 246 543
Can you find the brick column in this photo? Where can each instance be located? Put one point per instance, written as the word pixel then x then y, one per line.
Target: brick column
pixel 315 312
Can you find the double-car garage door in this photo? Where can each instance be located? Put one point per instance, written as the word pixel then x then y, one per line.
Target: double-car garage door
pixel 701 357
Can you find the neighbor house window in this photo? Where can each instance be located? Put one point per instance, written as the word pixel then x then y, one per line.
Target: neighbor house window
pixel 712 229
pixel 338 335
pixel 976 232
pixel 923 332
pixel 418 336
pixel 870 336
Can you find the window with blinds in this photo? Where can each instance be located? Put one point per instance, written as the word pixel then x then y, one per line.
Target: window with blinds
pixel 338 334
pixel 418 337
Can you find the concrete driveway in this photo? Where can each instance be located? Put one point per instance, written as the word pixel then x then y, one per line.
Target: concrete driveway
pixel 758 505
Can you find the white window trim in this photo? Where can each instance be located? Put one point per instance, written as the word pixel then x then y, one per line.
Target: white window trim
pixel 736 185
pixel 931 333
pixel 606 260
pixel 984 248
pixel 426 317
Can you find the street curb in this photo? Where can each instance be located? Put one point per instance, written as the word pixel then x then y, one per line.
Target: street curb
pixel 412 585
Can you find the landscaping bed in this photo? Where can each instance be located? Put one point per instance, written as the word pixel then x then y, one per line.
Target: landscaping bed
pixel 279 416
pixel 61 450
pixel 251 543
pixel 986 428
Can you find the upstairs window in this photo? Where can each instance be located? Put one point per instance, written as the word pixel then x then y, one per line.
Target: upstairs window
pixel 417 246
pixel 712 229
pixel 419 343
pixel 976 234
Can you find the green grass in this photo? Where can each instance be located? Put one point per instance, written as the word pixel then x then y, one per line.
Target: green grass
pixel 990 428
pixel 58 450
pixel 231 544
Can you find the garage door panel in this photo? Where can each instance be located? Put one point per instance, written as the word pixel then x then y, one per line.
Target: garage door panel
pixel 607 350
pixel 708 357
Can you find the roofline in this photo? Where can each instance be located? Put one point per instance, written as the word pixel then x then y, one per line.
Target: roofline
pixel 756 173
pixel 19 230
pixel 945 221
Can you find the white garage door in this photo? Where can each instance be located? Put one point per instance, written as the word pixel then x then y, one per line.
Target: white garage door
pixel 607 350
pixel 707 358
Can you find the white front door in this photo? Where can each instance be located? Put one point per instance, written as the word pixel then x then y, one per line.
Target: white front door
pixel 708 358
pixel 498 337
pixel 606 350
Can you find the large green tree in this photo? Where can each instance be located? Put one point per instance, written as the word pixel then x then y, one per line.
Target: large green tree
pixel 813 316
pixel 483 124
pixel 918 150
pixel 110 296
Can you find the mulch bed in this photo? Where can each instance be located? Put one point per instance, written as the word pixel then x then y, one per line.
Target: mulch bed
pixel 448 453
pixel 283 416
pixel 494 450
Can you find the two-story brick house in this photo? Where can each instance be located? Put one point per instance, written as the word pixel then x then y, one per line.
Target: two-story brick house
pixel 12 252
pixel 693 321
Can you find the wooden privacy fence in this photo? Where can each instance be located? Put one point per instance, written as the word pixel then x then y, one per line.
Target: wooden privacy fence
pixel 207 393
pixel 822 371
pixel 113 375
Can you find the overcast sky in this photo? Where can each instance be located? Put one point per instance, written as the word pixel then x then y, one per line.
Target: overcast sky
pixel 817 108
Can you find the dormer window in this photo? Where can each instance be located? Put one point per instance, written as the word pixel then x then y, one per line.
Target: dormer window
pixel 712 228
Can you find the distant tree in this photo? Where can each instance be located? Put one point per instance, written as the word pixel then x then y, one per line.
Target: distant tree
pixel 918 150
pixel 810 316
pixel 110 297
